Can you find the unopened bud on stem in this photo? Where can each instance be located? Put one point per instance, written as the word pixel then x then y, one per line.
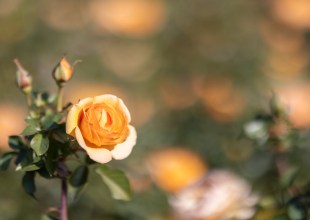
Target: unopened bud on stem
pixel 23 78
pixel 62 72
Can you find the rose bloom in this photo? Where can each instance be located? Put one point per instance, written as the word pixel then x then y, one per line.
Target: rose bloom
pixel 219 195
pixel 101 127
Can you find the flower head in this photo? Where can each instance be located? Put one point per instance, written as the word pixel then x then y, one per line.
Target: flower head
pixel 219 195
pixel 101 127
pixel 174 168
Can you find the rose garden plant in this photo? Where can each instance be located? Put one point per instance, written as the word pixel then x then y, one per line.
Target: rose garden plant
pixel 91 132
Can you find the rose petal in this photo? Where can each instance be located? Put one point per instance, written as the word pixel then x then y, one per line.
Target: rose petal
pixel 73 115
pixel 100 155
pixel 108 98
pixel 82 103
pixel 122 150
pixel 72 119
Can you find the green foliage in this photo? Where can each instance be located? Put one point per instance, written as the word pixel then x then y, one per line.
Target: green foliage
pixel 79 176
pixel 39 144
pixel 28 183
pixel 30 130
pixel 116 181
pixel 6 160
pixel 15 142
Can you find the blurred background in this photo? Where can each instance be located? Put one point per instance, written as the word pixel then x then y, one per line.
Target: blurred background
pixel 191 72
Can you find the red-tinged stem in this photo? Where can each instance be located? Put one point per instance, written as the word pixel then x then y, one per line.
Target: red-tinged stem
pixel 64 200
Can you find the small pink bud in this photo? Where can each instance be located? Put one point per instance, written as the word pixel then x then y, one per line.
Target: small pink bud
pixel 63 71
pixel 23 78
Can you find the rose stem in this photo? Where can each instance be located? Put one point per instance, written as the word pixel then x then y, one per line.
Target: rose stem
pixel 59 98
pixel 64 202
pixel 29 101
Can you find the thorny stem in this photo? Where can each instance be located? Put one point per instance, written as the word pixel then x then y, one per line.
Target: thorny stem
pixel 59 98
pixel 64 200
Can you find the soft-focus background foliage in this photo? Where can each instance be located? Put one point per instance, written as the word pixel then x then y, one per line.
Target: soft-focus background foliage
pixel 191 72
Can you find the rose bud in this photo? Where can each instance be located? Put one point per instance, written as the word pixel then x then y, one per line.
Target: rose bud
pixel 101 127
pixel 23 78
pixel 63 71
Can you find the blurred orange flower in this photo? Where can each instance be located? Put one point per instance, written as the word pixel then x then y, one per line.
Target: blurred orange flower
pixel 295 97
pixel 172 169
pixel 137 18
pixel 11 122
pixel 101 127
pixel 295 13
pixel 221 98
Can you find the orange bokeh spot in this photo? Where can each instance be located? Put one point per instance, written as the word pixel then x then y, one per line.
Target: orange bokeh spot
pixel 222 100
pixel 173 169
pixel 295 13
pixel 137 18
pixel 295 97
pixel 11 122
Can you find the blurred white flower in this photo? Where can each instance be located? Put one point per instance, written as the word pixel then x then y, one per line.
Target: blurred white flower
pixel 220 195
pixel 256 129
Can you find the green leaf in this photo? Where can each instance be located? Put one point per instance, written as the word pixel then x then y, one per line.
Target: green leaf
pixel 79 176
pixel 47 121
pixel 74 193
pixel 32 121
pixel 116 181
pixel 30 130
pixel 295 213
pixel 15 142
pixel 5 160
pixel 31 167
pixel 50 165
pixel 28 161
pixel 39 144
pixel 29 183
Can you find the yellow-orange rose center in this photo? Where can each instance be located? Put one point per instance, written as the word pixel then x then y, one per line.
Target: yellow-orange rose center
pixel 103 126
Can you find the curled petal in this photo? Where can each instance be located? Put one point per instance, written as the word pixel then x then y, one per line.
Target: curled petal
pixel 72 119
pixel 100 155
pixel 122 150
pixel 84 102
pixel 73 115
pixel 108 98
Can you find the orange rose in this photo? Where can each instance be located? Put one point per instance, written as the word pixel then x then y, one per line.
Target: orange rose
pixel 101 127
